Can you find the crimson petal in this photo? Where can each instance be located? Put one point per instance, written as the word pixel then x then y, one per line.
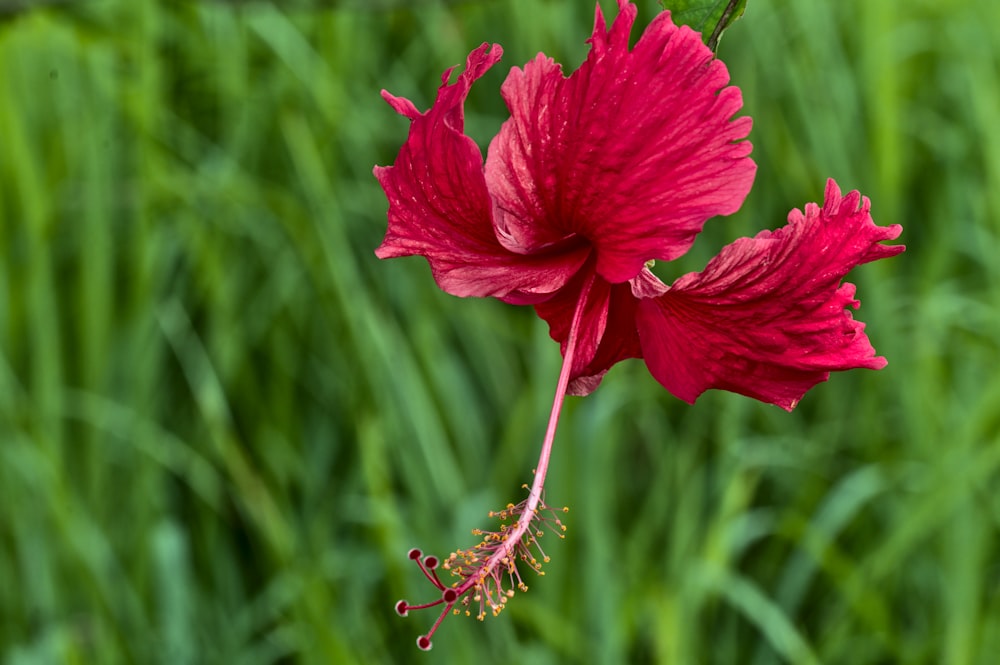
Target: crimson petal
pixel 558 312
pixel 439 206
pixel 634 151
pixel 619 342
pixel 767 318
pixel 607 332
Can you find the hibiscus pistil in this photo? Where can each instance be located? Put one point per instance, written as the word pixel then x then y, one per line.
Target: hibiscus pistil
pixel 485 567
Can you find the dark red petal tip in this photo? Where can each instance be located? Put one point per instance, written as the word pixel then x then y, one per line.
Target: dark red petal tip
pixel 402 608
pixel 424 643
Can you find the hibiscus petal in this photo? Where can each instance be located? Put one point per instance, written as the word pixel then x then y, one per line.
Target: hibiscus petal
pixel 767 318
pixel 619 342
pixel 634 151
pixel 558 311
pixel 439 206
pixel 607 331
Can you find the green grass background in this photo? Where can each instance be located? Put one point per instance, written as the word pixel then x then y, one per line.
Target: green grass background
pixel 223 421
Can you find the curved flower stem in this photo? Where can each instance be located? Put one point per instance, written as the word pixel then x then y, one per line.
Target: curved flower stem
pixel 724 21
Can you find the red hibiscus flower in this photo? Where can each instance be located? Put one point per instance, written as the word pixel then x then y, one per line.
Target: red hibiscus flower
pixel 619 164
pixel 592 178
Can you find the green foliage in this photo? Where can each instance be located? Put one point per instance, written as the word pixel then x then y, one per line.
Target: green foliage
pixel 709 17
pixel 223 422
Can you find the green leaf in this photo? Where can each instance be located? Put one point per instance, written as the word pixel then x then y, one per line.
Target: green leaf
pixel 709 17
